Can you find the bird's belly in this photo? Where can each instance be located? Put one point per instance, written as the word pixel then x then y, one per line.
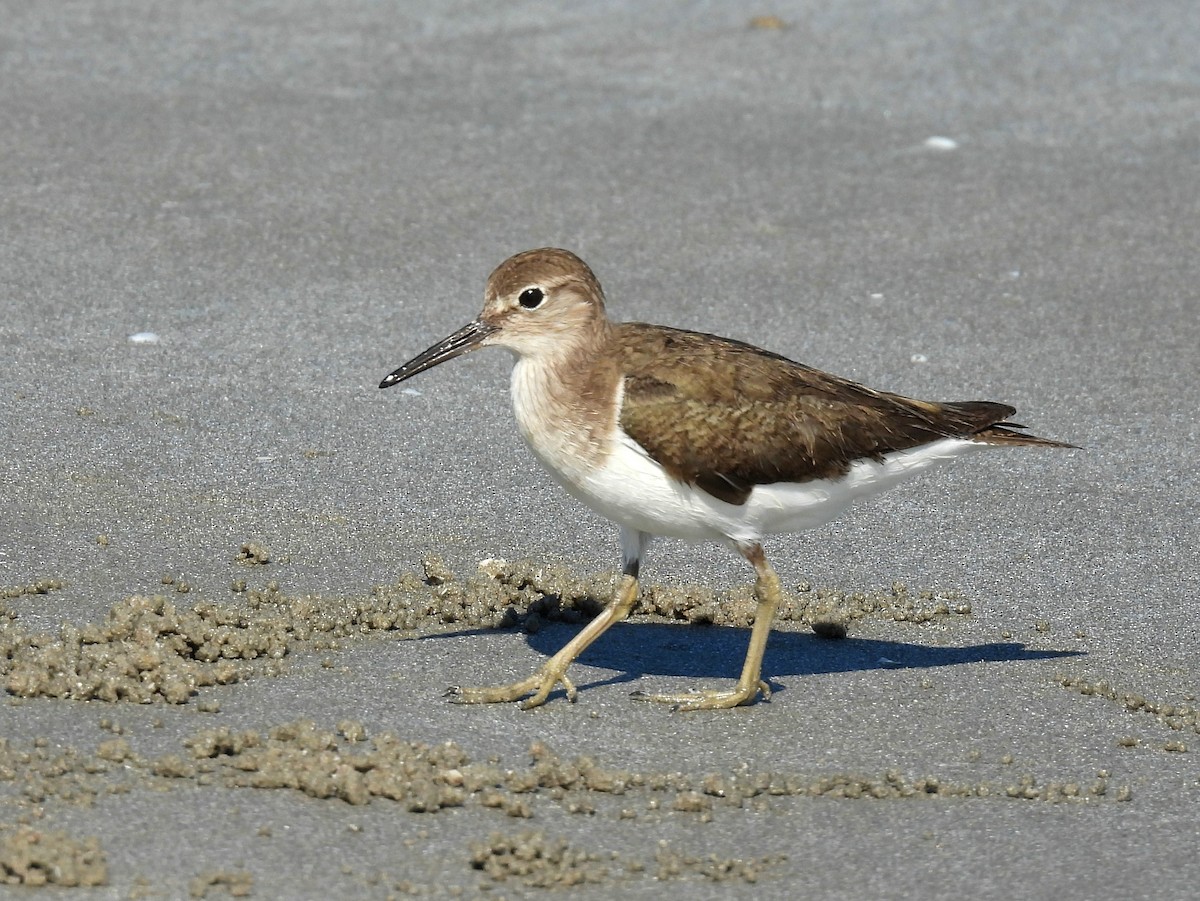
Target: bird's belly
pixel 631 489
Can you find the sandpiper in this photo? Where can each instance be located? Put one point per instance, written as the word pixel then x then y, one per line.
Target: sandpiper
pixel 693 436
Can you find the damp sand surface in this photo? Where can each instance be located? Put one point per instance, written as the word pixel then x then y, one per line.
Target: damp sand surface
pixel 168 683
pixel 222 225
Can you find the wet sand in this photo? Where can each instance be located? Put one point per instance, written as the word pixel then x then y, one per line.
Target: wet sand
pixel 236 579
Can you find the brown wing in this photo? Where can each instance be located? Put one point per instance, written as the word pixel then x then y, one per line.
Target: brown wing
pixel 726 416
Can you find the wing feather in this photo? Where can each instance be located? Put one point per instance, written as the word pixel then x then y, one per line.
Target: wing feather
pixel 726 416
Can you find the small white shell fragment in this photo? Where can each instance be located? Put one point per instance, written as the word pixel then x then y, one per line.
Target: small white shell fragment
pixel 919 358
pixel 492 566
pixel 939 142
pixel 144 338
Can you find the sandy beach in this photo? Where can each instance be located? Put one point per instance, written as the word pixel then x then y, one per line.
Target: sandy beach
pixel 236 578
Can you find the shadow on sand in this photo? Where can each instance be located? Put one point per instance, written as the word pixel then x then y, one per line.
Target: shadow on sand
pixel 716 652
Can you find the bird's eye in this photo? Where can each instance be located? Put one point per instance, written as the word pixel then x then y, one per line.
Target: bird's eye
pixel 531 298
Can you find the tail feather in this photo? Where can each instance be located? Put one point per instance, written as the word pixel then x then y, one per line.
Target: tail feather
pixel 1006 433
pixel 988 423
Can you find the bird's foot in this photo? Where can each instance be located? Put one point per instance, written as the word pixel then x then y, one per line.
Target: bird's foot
pixel 540 684
pixel 710 698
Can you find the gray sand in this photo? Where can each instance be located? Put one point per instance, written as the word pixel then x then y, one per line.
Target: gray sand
pixel 224 643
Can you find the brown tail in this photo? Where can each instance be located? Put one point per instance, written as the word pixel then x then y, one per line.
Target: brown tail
pixel 987 423
pixel 1005 433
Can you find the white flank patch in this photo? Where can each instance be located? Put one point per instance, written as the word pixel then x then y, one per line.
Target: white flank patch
pixel 633 490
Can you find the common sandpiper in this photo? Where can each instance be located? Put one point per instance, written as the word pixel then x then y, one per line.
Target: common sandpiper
pixel 688 435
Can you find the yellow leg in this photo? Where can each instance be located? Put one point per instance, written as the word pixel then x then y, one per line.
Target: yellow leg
pixel 541 683
pixel 750 684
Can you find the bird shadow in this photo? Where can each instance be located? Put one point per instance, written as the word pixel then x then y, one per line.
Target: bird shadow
pixel 704 652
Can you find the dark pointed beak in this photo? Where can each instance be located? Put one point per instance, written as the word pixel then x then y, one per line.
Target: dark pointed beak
pixel 465 340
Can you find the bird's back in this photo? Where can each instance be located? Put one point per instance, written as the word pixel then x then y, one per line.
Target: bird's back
pixel 726 416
